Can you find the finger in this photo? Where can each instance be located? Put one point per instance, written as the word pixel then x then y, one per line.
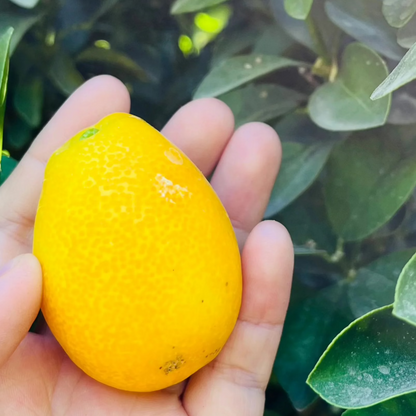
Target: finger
pixel 201 129
pixel 20 194
pixel 246 173
pixel 235 382
pixel 20 297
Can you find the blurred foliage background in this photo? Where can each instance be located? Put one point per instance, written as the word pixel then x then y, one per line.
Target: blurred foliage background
pixel 307 68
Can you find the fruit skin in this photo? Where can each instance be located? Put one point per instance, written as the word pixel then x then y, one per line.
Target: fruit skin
pixel 141 268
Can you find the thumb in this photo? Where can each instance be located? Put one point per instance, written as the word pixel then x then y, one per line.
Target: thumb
pixel 20 298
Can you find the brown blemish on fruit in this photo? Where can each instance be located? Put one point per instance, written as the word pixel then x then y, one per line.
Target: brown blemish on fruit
pixel 173 365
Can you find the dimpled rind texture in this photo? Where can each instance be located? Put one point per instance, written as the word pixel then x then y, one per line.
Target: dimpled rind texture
pixel 142 272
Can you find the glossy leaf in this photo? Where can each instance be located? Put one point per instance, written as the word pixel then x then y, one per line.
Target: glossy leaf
pixel 27 4
pixel 405 299
pixel 300 167
pixel 5 38
pixel 261 102
pixel 187 6
pixel 399 406
pixel 298 9
pixel 239 70
pixel 398 12
pixel 7 166
pixel 370 176
pixel 310 326
pixel 28 98
pixel 374 285
pixel 371 361
pixel 404 72
pixel 364 21
pixel 345 105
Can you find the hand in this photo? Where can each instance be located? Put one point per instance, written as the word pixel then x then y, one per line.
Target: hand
pixel 36 376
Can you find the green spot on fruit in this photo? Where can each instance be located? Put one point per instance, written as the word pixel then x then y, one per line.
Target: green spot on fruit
pixel 89 133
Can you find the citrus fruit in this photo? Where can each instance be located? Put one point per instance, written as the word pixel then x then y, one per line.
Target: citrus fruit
pixel 142 272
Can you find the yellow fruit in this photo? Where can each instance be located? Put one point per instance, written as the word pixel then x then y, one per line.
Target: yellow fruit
pixel 142 273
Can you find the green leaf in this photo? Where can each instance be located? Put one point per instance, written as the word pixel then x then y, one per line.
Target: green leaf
pixel 398 12
pixel 64 74
pixel 399 406
pixel 406 36
pixel 345 104
pixel 404 72
pixel 261 102
pixel 371 361
pixel 364 21
pixel 309 327
pixel 5 38
pixel 301 165
pixel 298 9
pixel 21 21
pixel 237 71
pixel 28 98
pixel 27 4
pixel 18 134
pixel 273 41
pixel 308 251
pixel 374 284
pixel 187 6
pixel 370 176
pixel 405 298
pixel 7 166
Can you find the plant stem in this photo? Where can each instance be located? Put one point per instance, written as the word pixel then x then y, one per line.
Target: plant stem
pixel 318 40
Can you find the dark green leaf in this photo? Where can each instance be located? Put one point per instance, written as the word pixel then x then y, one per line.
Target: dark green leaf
pixel 18 135
pixel 187 6
pixel 405 299
pixel 398 12
pixel 261 102
pixel 374 285
pixel 301 165
pixel 5 38
pixel 345 105
pixel 399 406
pixel 64 74
pixel 298 9
pixel 310 326
pixel 372 360
pixel 239 70
pixel 364 21
pixel 370 176
pixel 404 72
pixel 7 166
pixel 273 41
pixel 28 98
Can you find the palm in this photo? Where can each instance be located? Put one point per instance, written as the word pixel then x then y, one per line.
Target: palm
pixel 37 377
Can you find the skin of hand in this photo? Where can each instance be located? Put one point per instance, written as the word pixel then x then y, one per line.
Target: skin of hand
pixel 37 377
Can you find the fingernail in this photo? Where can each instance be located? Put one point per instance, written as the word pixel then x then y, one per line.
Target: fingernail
pixel 8 266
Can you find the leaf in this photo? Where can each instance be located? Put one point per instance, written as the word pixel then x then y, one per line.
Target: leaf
pixel 405 299
pixel 28 98
pixel 374 284
pixel 237 71
pixel 404 72
pixel 7 166
pixel 273 41
pixel 5 38
pixel 109 58
pixel 261 102
pixel 345 104
pixel 300 167
pixel 27 4
pixel 370 176
pixel 308 251
pixel 398 12
pixel 309 327
pixel 364 21
pixel 18 135
pixel 406 36
pixel 399 406
pixel 371 361
pixel 64 74
pixel 298 9
pixel 188 6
